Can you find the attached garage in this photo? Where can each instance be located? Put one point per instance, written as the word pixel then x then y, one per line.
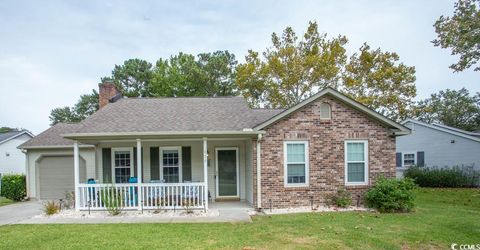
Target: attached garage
pixel 56 177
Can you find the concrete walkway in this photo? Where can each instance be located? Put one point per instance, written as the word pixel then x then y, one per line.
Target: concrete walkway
pixel 220 212
pixel 14 213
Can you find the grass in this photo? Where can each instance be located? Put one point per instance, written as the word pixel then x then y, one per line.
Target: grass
pixel 443 217
pixel 4 201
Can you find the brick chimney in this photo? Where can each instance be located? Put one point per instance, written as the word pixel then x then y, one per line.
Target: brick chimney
pixel 107 93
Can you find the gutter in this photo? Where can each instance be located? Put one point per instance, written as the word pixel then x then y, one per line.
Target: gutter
pixel 160 133
pixel 55 147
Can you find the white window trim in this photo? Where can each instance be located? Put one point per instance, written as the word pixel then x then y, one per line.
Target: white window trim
pixel 132 163
pixel 414 159
pixel 180 176
pixel 365 151
pixel 285 165
pixel 329 113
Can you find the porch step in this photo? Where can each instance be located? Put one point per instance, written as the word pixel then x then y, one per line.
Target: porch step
pixel 227 199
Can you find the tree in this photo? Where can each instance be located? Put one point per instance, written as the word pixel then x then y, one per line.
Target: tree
pixel 451 107
pixel 64 114
pixel 177 76
pixel 7 129
pixel 133 78
pixel 292 69
pixel 219 73
pixel 461 33
pixel 208 74
pixel 86 105
pixel 377 80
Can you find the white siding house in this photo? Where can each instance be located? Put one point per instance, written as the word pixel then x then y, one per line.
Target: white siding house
pixel 12 160
pixel 436 145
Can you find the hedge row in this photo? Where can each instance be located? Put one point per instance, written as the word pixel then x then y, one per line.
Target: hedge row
pixel 14 187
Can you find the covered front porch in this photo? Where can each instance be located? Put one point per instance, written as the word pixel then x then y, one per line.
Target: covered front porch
pixel 165 173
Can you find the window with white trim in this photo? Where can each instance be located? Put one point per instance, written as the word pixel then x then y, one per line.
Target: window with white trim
pixel 296 163
pixel 171 164
pixel 356 162
pixel 325 111
pixel 122 164
pixel 409 159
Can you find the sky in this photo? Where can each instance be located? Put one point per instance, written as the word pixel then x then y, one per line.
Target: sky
pixel 51 52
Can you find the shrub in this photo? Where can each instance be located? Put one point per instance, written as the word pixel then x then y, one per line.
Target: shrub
pixel 14 187
pixel 188 205
pixel 113 200
pixel 342 198
pixel 455 177
pixel 51 207
pixel 391 195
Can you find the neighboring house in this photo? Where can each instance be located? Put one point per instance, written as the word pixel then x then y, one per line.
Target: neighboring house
pixel 192 151
pixel 437 145
pixel 12 160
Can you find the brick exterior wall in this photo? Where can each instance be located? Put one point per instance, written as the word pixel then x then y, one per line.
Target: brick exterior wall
pixel 106 91
pixel 326 140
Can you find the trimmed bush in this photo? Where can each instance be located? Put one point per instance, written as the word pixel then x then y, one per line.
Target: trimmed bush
pixel 391 195
pixel 342 198
pixel 14 187
pixel 444 177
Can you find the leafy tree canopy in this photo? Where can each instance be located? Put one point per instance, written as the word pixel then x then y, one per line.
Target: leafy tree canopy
pixel 293 68
pixel 454 108
pixel 461 33
pixel 7 129
pixel 86 105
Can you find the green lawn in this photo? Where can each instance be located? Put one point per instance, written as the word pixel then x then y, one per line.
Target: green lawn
pixel 4 201
pixel 443 216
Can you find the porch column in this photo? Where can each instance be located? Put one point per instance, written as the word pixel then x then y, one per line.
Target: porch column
pixel 259 172
pixel 139 173
pixel 205 169
pixel 76 174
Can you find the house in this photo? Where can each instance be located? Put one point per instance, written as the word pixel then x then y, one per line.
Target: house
pixel 177 152
pixel 437 145
pixel 12 160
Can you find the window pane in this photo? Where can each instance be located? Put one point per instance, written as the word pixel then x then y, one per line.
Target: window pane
pixel 296 173
pixel 295 153
pixel 408 159
pixel 356 172
pixel 355 151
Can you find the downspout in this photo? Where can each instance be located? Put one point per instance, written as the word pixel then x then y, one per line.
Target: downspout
pixel 27 172
pixel 259 169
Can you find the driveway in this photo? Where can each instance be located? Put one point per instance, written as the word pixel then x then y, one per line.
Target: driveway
pixel 14 213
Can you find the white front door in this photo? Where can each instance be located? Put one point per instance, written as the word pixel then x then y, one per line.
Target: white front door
pixel 226 163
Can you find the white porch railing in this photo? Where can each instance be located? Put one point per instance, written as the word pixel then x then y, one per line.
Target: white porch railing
pixel 154 195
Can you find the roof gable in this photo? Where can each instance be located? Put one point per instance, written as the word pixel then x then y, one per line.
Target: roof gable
pixel 7 136
pixel 446 129
pixel 399 129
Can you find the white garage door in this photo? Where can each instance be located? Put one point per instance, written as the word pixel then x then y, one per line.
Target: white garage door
pixel 56 176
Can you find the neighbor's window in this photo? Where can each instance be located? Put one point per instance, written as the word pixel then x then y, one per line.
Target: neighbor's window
pixel 122 165
pixel 408 159
pixel 171 165
pixel 356 162
pixel 325 111
pixel 296 163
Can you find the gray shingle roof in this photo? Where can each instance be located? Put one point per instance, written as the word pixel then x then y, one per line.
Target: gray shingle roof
pixel 160 115
pixel 175 114
pixel 52 136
